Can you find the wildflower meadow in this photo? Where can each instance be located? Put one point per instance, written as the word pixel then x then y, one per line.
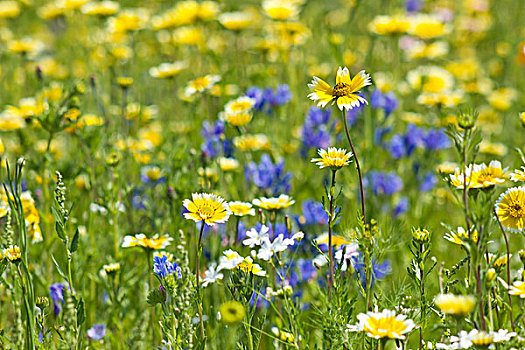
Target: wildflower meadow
pixel 262 174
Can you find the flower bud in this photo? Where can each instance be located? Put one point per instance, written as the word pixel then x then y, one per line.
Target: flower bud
pixel 491 277
pixel 467 119
pixel 420 235
pixel 42 302
pixel 113 159
pixel 124 82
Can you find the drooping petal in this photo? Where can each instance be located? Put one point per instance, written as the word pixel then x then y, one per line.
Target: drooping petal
pixel 343 76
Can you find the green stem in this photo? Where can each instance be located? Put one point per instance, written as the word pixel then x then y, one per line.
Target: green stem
pixel 197 277
pixel 149 255
pixel 330 223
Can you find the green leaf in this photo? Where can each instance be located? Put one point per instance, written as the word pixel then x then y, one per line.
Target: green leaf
pixel 60 231
pixel 60 272
pixel 81 313
pixel 74 242
pixel 3 265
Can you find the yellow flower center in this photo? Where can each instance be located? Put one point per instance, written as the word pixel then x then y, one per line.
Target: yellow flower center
pixel 206 211
pixel 341 89
pixel 516 210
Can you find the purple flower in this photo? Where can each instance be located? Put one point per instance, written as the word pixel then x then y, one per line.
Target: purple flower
pixel 313 213
pixel 316 130
pixel 269 98
pixel 97 332
pixel 57 296
pixel 215 143
pixel 268 176
pixel 257 94
pixel 396 147
pixel 413 5
pixel 436 140
pixel 379 269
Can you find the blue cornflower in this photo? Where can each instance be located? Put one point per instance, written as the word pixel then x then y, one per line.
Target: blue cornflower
pixel 57 296
pixel 428 183
pixel 257 94
pixel 401 207
pixel 379 270
pixel 307 270
pixel 268 176
pixel 163 267
pixel 316 130
pixel 413 5
pixel 97 332
pixel 269 98
pixel 313 213
pixel 414 138
pixel 396 147
pixel 380 133
pixel 386 183
pixel 215 142
pixel 436 140
pixel 387 102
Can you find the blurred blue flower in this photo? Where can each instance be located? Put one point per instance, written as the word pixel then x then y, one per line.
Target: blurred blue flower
pixel 162 267
pixel 396 147
pixel 413 5
pixel 428 183
pixel 379 269
pixel 97 332
pixel 267 99
pixel 57 296
pixel 313 214
pixel 215 142
pixel 401 206
pixel 387 102
pixel 436 140
pixel 316 130
pixel 386 183
pixel 268 176
pixel 380 133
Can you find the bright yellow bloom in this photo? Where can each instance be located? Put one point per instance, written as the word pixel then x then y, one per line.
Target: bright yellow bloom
pixel 232 312
pixel 236 21
pixel 479 175
pixel 251 142
pixel 336 240
pixel 280 9
pixel 345 91
pixel 421 50
pixel 9 9
pixel 510 209
pixel 111 268
pixel 522 118
pixel 482 339
pixel 457 305
pixel 228 164
pixel 13 254
pixel 248 266
pixel 238 112
pixel 188 36
pixel 389 25
pixel 25 46
pixel 10 121
pixel 428 26
pixel 384 324
pixel 518 288
pixel 460 236
pixel 518 175
pixel 241 208
pixel 502 99
pixel 201 84
pixel 497 149
pixel 333 158
pixel 207 207
pixel 129 20
pixel 283 335
pixel 168 70
pixel 274 203
pixel 431 79
pixel 141 240
pixel 102 8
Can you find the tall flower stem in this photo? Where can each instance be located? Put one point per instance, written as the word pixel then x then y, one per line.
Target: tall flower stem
pixel 361 190
pixel 330 224
pixel 465 185
pixel 197 277
pixel 508 266
pixel 149 256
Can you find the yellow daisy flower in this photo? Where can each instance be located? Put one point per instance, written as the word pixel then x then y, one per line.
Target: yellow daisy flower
pixel 248 266
pixel 228 164
pixel 518 288
pixel 13 254
pixel 201 84
pixel 141 240
pixel 384 324
pixel 479 175
pixel 510 209
pixel 251 142
pixel 274 203
pixel 236 21
pixel 345 91
pixel 280 9
pixel 207 207
pixel 457 305
pixel 333 158
pixel 518 175
pixel 168 70
pixel 389 25
pixel 241 208
pixel 336 240
pixel 111 268
pixel 460 236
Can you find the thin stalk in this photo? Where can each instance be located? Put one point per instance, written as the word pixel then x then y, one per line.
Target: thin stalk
pixel 149 256
pixel 423 302
pixel 237 230
pixel 197 277
pixel 465 199
pixel 508 266
pixel 357 166
pixel 330 223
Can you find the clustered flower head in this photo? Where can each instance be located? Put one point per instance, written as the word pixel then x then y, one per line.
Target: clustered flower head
pixel 12 253
pixel 334 158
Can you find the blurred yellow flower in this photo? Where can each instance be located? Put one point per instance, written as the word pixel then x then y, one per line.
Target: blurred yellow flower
pixel 252 142
pixel 502 99
pixel 168 70
pixel 9 9
pixel 280 9
pixel 228 164
pixel 100 8
pixel 518 288
pixel 444 98
pixel 496 149
pixel 428 26
pixel 10 121
pixel 430 79
pixel 456 305
pixel 274 203
pixel 231 312
pixel 241 208
pixel 141 240
pixel 201 84
pixel 518 175
pixel 389 25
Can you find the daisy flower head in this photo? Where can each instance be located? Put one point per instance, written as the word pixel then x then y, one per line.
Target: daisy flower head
pixel 13 254
pixel 457 305
pixel 518 175
pixel 510 209
pixel 461 236
pixel 274 203
pixel 168 70
pixel 210 208
pixel 141 240
pixel 384 324
pixel 201 84
pixel 334 158
pixel 344 93
pixel 518 288
pixel 241 208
